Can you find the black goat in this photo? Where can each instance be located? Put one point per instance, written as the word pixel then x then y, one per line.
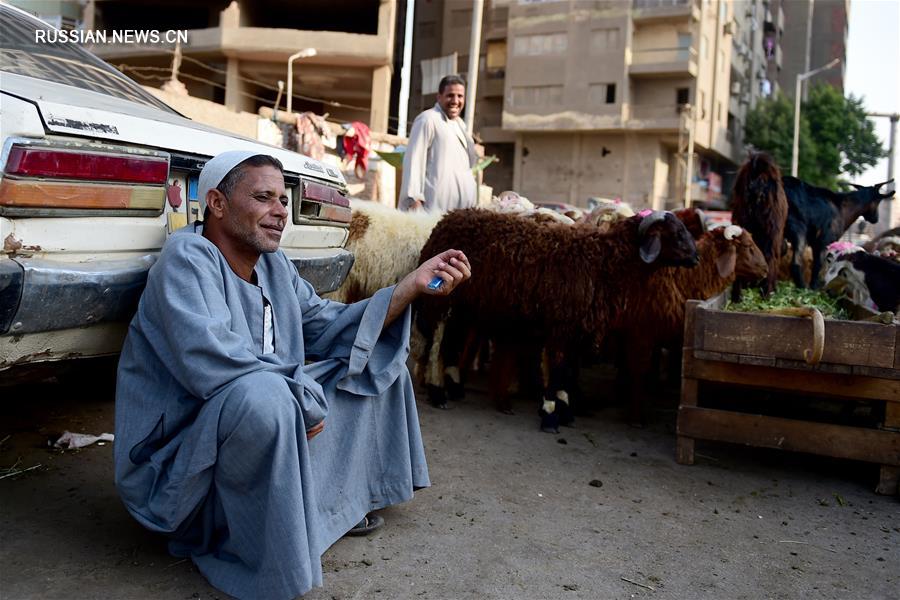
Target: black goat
pixel 882 277
pixel 818 217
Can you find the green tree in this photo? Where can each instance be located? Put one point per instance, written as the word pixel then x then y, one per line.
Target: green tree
pixel 837 141
pixel 770 127
pixel 845 139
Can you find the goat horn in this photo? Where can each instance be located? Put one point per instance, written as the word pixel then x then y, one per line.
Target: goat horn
pixel 653 217
pixel 732 231
pixel 887 194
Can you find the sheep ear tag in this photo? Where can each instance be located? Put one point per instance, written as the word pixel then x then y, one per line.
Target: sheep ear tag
pixel 650 249
pixel 725 264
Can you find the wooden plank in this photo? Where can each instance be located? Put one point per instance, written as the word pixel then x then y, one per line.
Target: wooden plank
pixel 846 342
pixel 684 446
pixel 876 372
pixel 707 355
pixel 889 477
pixel 855 443
pixel 892 414
pixel 822 367
pixel 691 331
pixel 760 361
pixel 801 365
pixel 828 384
pixel 888 481
pixel 896 350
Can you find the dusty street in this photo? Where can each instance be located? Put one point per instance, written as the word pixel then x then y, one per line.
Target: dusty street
pixel 599 511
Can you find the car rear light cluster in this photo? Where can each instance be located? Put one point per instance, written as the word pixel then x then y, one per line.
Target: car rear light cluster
pixel 320 202
pixel 41 179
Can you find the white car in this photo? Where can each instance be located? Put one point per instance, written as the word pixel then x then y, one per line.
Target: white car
pixel 94 173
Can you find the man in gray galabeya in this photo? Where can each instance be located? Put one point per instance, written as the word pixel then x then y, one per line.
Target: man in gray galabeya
pixel 257 423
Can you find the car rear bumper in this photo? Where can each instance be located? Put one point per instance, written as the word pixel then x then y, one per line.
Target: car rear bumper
pixel 39 295
pixel 327 273
pixel 54 295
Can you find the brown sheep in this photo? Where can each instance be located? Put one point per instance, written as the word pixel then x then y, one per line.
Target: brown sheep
pixel 760 206
pixel 555 283
pixel 658 320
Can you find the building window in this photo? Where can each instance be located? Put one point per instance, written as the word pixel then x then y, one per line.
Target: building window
pixel 682 96
pixel 602 93
pixel 535 95
pixel 537 45
pixel 719 111
pixel 496 54
pixel 427 29
pixel 603 40
pixel 496 59
pixel 702 104
pixel 461 17
pixel 704 43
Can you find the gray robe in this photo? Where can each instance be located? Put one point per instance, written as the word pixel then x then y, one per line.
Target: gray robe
pixel 210 432
pixel 437 165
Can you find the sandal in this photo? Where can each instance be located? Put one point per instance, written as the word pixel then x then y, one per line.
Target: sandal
pixel 369 523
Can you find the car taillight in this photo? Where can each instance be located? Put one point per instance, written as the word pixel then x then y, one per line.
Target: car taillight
pixel 320 202
pixel 93 166
pixel 42 180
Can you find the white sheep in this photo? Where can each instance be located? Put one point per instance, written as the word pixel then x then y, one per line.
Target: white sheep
pixel 386 244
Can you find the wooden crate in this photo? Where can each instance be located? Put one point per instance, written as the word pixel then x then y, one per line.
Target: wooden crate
pixel 861 361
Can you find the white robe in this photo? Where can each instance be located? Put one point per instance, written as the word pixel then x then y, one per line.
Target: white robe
pixel 437 166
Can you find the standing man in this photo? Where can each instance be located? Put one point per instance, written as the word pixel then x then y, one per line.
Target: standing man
pixel 437 166
pixel 257 423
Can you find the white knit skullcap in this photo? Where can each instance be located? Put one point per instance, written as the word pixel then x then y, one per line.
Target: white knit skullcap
pixel 215 170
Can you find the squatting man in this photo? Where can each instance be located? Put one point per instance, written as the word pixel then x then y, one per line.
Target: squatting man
pixel 257 423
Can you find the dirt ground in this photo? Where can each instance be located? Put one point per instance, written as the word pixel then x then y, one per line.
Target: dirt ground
pixel 600 511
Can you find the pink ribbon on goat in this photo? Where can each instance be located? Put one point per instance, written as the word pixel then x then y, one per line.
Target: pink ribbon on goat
pixel 645 212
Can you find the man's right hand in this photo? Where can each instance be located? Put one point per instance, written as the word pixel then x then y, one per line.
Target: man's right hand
pixel 416 204
pixel 315 430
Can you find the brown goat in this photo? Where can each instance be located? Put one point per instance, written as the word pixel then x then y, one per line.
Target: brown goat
pixel 658 320
pixel 759 205
pixel 555 283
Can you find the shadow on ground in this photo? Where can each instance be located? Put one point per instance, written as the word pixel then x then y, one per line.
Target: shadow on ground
pixel 599 511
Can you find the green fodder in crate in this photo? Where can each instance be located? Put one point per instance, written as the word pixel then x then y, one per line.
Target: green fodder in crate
pixel 787 295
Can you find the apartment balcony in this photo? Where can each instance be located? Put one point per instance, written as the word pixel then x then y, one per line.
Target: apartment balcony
pixel 663 62
pixel 657 11
pixel 654 117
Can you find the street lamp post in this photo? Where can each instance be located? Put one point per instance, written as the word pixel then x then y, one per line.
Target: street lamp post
pixel 305 53
pixel 797 91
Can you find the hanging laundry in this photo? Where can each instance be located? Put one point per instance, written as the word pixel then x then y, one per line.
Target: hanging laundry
pixel 356 145
pixel 310 131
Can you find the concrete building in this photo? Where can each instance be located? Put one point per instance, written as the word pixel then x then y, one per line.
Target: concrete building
pixel 597 98
pixel 237 51
pixel 756 63
pixel 818 34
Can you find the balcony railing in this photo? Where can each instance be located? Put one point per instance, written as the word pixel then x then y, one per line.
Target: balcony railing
pixel 654 117
pixel 647 11
pixel 664 62
pixel 659 3
pixel 663 55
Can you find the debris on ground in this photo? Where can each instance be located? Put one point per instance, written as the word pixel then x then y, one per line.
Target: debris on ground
pixel 70 441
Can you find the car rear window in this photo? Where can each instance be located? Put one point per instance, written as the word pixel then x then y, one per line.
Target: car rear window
pixel 65 63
